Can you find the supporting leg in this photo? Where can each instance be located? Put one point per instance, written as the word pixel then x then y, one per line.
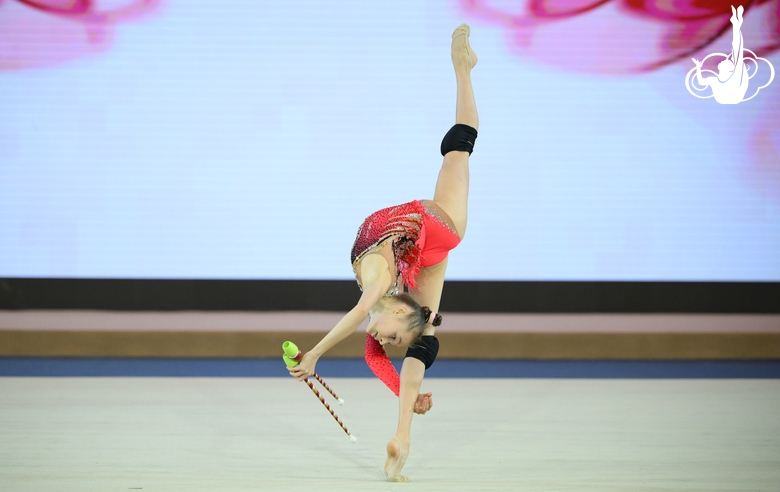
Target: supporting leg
pixel 412 373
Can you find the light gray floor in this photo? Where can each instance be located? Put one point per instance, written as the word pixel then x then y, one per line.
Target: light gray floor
pixel 168 434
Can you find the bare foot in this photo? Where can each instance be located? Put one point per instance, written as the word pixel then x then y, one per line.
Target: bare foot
pixel 462 54
pixel 396 457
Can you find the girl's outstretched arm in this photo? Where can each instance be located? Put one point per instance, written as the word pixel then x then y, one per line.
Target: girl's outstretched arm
pixel 342 330
pixel 376 281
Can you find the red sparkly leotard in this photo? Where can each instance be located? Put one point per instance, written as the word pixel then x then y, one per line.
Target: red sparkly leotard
pixel 421 237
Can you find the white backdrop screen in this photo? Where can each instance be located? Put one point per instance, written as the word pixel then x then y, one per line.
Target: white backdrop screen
pixel 249 139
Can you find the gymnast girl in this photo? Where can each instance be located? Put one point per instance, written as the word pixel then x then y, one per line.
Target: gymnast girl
pixel 407 245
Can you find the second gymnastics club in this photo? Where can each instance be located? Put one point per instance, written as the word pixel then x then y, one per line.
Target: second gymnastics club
pixel 292 356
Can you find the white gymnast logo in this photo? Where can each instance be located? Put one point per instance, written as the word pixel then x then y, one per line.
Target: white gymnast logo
pixel 730 84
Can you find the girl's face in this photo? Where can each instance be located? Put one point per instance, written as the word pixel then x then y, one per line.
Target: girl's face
pixel 390 329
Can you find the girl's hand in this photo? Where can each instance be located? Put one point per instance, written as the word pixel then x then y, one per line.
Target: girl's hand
pixel 305 368
pixel 423 404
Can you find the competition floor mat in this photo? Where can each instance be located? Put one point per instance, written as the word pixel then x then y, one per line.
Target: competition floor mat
pixel 485 434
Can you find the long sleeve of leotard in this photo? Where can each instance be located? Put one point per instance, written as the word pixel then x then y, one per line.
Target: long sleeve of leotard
pixel 380 365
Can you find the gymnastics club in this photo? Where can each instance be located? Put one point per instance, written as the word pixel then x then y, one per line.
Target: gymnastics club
pixel 292 356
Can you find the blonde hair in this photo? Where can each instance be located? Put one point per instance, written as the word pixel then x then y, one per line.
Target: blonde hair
pixel 418 316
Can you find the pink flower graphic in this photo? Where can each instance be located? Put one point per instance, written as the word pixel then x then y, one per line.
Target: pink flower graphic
pixel 624 36
pixel 41 33
pixel 640 36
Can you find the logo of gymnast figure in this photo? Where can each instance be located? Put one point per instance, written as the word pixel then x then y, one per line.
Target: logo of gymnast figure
pixel 730 84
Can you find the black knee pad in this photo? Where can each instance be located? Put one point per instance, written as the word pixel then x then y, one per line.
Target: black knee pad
pixel 425 351
pixel 460 137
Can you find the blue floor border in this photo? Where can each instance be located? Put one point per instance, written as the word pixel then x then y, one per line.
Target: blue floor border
pixel 443 368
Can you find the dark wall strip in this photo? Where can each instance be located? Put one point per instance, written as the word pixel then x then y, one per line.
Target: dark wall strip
pixel 341 295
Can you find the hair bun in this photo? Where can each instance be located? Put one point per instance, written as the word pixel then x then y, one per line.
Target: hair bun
pixel 426 312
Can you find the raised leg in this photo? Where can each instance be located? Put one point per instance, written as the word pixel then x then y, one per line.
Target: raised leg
pixel 452 186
